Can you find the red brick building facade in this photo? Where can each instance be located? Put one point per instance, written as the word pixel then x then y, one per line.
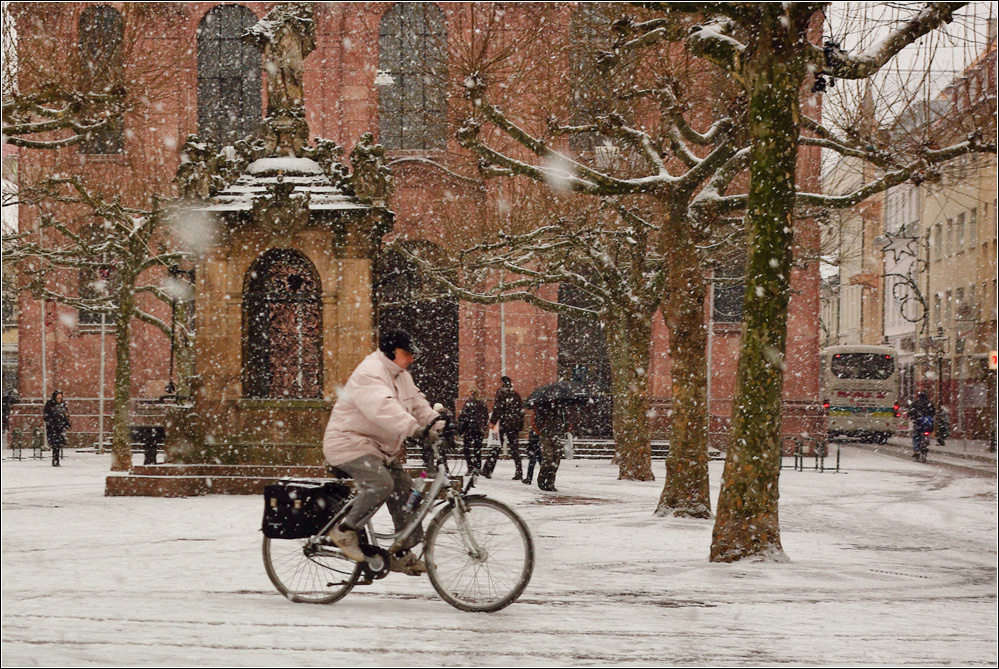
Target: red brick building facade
pixel 345 95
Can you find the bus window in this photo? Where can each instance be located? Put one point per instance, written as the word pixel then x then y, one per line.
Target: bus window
pixel 862 366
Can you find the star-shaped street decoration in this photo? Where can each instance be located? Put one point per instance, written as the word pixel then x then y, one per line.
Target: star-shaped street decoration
pixel 900 245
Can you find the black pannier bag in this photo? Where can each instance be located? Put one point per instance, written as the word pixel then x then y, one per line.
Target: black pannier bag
pixel 295 509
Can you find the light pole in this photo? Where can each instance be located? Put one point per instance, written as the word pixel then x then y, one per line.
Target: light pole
pixel 906 290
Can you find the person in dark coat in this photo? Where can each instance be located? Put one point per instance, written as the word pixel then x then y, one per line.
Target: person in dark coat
pixel 921 413
pixel 446 444
pixel 551 422
pixel 533 455
pixel 508 415
pixel 10 398
pixel 472 424
pixel 56 417
pixel 942 426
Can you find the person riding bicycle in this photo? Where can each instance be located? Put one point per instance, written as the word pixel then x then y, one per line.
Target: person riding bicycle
pixel 921 413
pixel 375 412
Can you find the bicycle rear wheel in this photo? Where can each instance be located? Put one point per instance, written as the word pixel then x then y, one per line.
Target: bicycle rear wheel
pixel 307 573
pixel 479 560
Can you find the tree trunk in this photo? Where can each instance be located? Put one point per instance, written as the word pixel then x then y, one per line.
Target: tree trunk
pixel 747 522
pixel 686 491
pixel 629 337
pixel 121 446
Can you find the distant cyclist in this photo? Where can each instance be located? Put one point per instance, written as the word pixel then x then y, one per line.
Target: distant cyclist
pixel 375 412
pixel 921 413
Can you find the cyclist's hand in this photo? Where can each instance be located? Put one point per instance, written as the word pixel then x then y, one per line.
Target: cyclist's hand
pixel 434 429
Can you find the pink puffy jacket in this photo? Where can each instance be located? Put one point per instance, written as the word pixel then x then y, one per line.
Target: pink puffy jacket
pixel 378 408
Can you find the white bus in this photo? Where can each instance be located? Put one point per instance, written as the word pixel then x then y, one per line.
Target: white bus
pixel 860 387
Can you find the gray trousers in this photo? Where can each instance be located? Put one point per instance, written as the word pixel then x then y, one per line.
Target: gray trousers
pixel 377 483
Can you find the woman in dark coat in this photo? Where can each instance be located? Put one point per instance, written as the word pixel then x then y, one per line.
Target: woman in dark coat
pixel 56 418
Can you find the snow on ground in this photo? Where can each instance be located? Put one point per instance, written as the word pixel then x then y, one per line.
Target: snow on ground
pixel 891 562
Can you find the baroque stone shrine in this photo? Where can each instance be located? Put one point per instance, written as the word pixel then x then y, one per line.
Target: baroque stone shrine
pixel 283 285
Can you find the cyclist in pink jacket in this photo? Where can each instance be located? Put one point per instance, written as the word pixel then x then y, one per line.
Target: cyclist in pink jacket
pixel 374 414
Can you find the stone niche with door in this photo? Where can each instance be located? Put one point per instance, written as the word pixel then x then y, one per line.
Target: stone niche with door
pixel 283 314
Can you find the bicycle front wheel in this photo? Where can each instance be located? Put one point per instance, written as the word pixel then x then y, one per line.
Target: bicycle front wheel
pixel 480 559
pixel 307 573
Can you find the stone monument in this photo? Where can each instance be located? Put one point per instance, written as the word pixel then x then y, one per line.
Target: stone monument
pixel 283 306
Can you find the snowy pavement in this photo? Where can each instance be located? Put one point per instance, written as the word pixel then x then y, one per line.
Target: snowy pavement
pixel 891 562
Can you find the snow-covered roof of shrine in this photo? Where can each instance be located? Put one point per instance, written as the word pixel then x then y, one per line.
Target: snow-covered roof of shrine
pixel 263 174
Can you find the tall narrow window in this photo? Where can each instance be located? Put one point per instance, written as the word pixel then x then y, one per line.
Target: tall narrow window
pixel 727 300
pixel 229 80
pixel 412 77
pixel 583 357
pixel 590 91
pixel 98 281
pixel 282 327
pixel 100 36
pixel 405 300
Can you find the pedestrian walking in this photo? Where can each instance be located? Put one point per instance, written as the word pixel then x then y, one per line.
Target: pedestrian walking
pixel 447 443
pixel 942 426
pixel 472 424
pixel 533 455
pixel 508 418
pixel 10 398
pixel 56 417
pixel 551 404
pixel 921 413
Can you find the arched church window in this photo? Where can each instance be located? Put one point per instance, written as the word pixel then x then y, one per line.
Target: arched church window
pixel 100 35
pixel 282 327
pixel 582 356
pixel 229 79
pixel 590 92
pixel 412 77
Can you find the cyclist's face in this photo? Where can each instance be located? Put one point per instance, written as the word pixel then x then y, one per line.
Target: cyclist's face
pixel 403 358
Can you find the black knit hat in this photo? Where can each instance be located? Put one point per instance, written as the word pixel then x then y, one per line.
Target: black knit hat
pixel 395 338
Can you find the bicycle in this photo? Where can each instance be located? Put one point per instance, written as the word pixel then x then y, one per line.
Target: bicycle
pixel 921 429
pixel 479 553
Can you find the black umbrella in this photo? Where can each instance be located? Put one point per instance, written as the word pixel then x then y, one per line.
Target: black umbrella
pixel 560 392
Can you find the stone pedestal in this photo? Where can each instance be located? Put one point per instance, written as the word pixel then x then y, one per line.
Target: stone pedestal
pixel 285 204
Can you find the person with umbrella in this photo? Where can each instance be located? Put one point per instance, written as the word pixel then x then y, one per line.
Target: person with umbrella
pixel 551 421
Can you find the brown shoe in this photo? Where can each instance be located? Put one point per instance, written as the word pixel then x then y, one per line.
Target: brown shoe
pixel 408 563
pixel 348 542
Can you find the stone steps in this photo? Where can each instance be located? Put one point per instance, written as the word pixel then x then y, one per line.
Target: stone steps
pixel 194 480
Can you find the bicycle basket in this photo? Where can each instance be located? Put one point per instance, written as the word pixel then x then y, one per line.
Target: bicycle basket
pixel 294 509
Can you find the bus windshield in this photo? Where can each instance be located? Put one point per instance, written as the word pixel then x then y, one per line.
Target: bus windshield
pixel 862 366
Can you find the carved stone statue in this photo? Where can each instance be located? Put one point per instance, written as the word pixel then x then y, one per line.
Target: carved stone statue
pixel 286 35
pixel 372 178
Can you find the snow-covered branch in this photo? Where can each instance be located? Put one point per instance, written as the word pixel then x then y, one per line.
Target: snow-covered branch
pixel 919 167
pixel 833 61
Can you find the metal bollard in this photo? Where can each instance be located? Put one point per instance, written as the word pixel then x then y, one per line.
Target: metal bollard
pixel 16 444
pixel 37 442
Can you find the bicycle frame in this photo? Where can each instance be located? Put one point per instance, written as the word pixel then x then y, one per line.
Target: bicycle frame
pixel 441 482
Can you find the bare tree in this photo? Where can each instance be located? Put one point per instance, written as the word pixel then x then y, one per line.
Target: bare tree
pixel 54 96
pixel 81 83
pixel 640 152
pixel 116 257
pixel 768 49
